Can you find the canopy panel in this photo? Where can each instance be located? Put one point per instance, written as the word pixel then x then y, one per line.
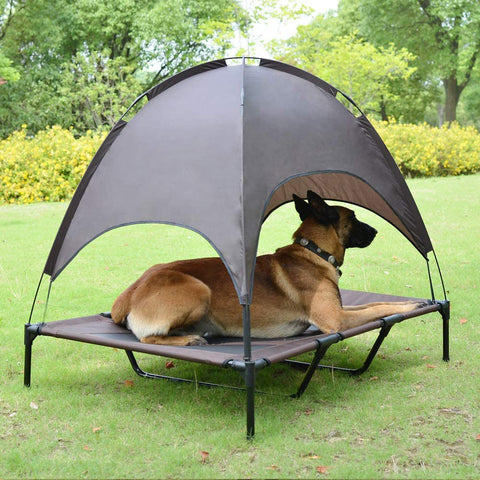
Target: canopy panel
pixel 219 147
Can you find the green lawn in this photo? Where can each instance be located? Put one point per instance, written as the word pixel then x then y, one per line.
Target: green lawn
pixel 87 415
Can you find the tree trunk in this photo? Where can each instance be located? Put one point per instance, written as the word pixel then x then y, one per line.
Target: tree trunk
pixel 383 110
pixel 452 95
pixel 441 113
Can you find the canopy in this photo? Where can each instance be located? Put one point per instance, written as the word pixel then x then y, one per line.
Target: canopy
pixel 220 146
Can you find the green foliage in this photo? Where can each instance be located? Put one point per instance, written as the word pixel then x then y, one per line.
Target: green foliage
pixel 82 63
pixel 98 89
pixel 174 35
pixel 347 63
pixel 444 35
pixel 46 167
pixel 7 72
pixel 425 151
pixel 469 104
pixel 302 47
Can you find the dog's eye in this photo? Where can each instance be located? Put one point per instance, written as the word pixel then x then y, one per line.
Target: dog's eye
pixel 349 222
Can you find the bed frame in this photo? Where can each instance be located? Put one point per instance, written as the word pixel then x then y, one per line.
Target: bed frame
pixel 229 352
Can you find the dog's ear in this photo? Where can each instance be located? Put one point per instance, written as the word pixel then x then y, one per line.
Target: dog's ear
pixel 323 212
pixel 302 207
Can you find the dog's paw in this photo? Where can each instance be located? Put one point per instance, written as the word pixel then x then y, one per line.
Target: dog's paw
pixel 196 340
pixel 422 304
pixel 414 304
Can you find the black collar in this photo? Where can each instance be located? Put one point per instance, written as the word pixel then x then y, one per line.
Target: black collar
pixel 313 247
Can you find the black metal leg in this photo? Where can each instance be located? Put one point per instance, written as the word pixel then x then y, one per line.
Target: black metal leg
pixel 27 370
pixel 384 331
pixel 446 339
pixel 31 332
pixel 445 312
pixel 250 388
pixel 310 367
pixel 247 369
pixel 319 354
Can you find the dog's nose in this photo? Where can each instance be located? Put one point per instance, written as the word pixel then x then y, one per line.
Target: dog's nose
pixel 373 233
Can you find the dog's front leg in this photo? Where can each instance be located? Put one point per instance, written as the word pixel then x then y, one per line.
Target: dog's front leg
pixel 329 316
pixel 369 305
pixel 355 318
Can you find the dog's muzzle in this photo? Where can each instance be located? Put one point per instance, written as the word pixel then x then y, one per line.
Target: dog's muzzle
pixel 361 235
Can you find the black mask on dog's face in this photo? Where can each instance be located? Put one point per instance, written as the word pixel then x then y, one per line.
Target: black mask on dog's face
pixel 361 235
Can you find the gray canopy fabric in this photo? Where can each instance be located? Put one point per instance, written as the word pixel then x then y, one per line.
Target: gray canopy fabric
pixel 218 147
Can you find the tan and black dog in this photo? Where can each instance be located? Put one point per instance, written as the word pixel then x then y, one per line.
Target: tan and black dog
pixel 182 302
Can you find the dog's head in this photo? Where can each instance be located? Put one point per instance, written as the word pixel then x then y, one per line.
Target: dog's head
pixel 351 232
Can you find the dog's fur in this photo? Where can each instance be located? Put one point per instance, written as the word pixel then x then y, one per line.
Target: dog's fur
pixel 182 302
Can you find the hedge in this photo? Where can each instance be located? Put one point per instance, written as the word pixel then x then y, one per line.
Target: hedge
pixel 49 165
pixel 425 151
pixel 46 167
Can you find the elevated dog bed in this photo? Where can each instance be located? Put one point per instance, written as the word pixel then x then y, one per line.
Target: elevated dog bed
pixel 216 149
pixel 228 352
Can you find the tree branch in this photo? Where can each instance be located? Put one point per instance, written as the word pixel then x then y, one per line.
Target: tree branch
pixel 13 8
pixel 434 21
pixel 470 65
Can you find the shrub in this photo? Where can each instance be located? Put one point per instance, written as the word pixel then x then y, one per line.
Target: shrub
pixel 49 166
pixel 423 151
pixel 46 167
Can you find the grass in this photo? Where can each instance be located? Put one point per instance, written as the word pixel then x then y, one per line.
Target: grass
pixel 88 416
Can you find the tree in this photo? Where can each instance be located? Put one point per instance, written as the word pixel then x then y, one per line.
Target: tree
pixel 7 11
pixel 357 68
pixel 97 89
pixel 347 64
pixel 69 53
pixel 443 34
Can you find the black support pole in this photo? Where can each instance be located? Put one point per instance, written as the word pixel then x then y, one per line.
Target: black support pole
pixel 320 352
pixel 249 373
pixel 30 333
pixel 445 312
pixel 376 346
pixel 27 370
pixel 250 387
pixel 247 339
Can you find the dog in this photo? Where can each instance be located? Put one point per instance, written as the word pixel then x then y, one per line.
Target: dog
pixel 184 302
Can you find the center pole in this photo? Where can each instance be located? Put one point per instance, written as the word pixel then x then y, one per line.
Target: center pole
pixel 249 372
